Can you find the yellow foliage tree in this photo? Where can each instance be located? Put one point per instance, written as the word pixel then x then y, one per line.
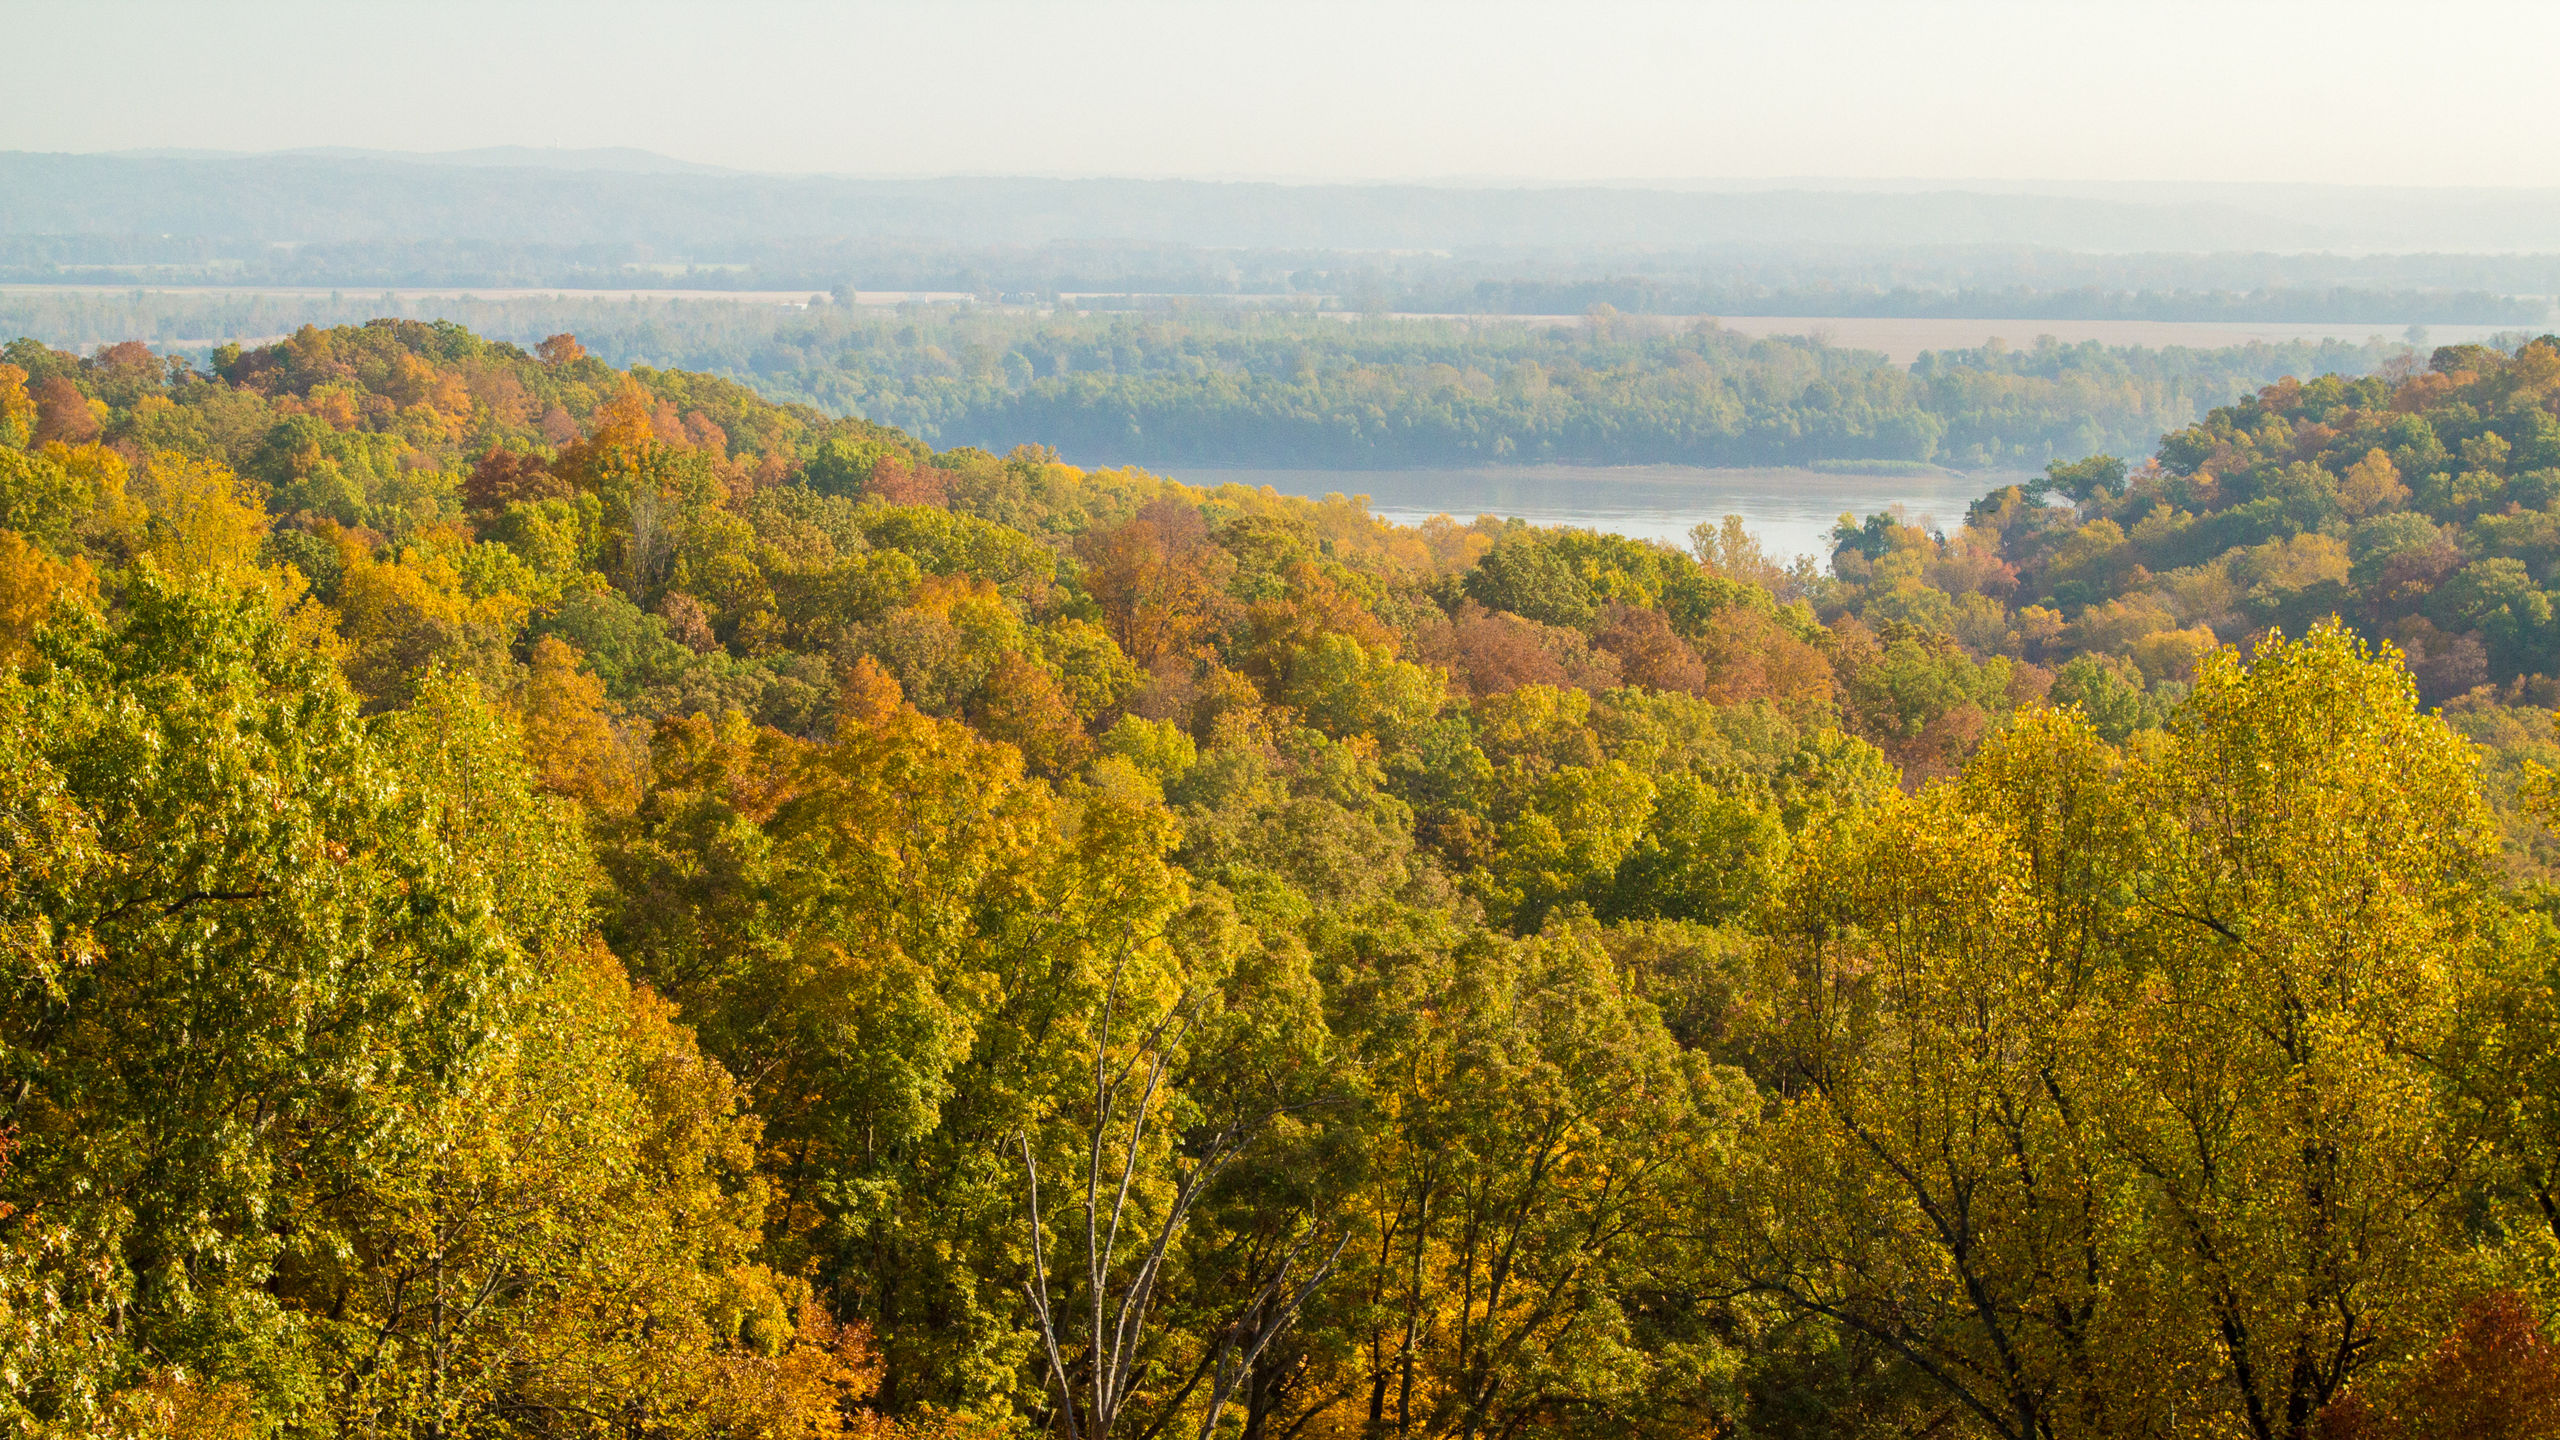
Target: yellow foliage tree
pixel 568 730
pixel 2315 869
pixel 405 612
pixel 17 408
pixel 2172 654
pixel 2371 486
pixel 31 583
pixel 204 520
pixel 2111 1100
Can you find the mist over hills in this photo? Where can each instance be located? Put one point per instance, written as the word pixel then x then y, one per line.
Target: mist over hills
pixel 540 157
pixel 578 197
pixel 601 219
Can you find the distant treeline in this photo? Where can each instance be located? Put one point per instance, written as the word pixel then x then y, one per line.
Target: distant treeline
pixel 1329 391
pixel 1966 281
pixel 1655 296
pixel 1313 391
pixel 1296 389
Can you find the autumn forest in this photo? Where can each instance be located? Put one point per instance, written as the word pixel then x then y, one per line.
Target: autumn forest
pixel 540 899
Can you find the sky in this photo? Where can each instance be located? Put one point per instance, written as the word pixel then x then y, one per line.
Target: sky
pixel 2343 92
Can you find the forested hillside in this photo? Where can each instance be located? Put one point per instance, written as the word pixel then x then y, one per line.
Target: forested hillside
pixel 543 900
pixel 2423 511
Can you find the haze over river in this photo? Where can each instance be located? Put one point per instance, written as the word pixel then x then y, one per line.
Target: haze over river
pixel 1791 510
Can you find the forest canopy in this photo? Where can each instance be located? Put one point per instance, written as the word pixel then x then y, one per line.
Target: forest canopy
pixel 540 899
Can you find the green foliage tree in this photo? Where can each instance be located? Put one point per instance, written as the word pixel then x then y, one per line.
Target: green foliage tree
pixel 230 973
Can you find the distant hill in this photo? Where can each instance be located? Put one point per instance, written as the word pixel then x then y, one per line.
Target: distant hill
pixel 517 216
pixel 620 158
pixel 633 197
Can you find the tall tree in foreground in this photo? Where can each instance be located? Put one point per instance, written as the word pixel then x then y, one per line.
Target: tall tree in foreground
pixel 2107 1100
pixel 1926 1178
pixel 2314 875
pixel 324 1111
pixel 237 961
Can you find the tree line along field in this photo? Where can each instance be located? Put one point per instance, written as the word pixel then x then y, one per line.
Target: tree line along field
pixel 547 900
pixel 1311 390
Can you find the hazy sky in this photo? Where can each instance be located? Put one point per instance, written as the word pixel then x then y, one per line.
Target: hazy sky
pixel 2342 91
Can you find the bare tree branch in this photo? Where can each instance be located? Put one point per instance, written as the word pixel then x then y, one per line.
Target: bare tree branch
pixel 1119 1304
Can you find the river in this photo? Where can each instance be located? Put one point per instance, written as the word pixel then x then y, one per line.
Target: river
pixel 1791 511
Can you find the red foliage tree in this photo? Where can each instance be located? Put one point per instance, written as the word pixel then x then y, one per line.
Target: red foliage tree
pixel 1159 579
pixel 63 413
pixel 1648 653
pixel 502 476
pixel 2496 1377
pixel 898 483
pixel 1749 656
pixel 1493 652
